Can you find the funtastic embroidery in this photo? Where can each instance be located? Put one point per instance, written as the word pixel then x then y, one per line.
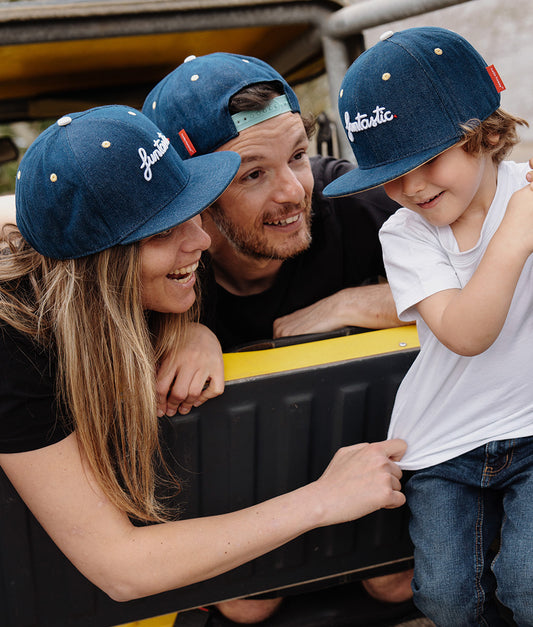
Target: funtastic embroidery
pixel 147 160
pixel 363 122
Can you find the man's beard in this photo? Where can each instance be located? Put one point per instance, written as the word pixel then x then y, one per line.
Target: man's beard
pixel 254 243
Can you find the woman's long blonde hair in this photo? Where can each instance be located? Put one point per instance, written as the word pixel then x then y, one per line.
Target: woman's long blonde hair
pixel 89 311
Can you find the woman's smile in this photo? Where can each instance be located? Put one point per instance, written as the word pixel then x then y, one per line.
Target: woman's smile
pixel 169 262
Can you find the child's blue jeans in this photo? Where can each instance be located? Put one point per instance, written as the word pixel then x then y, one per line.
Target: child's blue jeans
pixel 458 508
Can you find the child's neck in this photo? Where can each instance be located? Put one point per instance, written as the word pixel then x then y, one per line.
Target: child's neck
pixel 467 228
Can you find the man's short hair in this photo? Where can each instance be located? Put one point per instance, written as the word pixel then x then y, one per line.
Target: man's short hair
pixel 256 97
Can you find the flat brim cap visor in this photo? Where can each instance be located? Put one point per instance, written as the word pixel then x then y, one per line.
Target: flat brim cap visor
pixel 403 101
pixel 108 176
pixel 358 180
pixel 191 104
pixel 208 177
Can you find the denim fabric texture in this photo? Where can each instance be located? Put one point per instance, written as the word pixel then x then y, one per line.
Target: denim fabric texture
pixel 191 104
pixel 472 527
pixel 109 176
pixel 403 101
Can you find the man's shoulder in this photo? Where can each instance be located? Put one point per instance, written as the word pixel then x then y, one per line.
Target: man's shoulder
pixel 327 169
pixel 373 202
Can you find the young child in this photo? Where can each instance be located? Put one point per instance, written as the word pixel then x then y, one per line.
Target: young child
pixel 421 109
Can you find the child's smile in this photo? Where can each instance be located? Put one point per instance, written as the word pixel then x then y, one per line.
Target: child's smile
pixel 447 188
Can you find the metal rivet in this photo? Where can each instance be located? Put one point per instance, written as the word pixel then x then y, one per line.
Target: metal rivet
pixel 438 51
pixel 131 113
pixel 191 57
pixel 245 60
pixel 106 144
pixel 403 344
pixel 18 175
pixel 385 76
pixel 154 104
pixel 342 92
pixel 64 121
pixel 53 177
pixel 194 77
pixel 386 35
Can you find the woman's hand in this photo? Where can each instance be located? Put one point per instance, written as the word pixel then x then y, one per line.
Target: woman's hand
pixel 359 480
pixel 192 376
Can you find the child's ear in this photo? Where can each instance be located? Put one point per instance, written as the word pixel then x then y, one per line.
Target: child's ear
pixel 493 138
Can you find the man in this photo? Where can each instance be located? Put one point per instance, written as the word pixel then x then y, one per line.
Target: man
pixel 283 260
pixel 286 261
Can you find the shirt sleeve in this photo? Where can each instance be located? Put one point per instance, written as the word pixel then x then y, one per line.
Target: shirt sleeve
pixel 30 415
pixel 416 263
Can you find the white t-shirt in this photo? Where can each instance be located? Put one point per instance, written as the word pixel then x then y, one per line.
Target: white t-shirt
pixel 448 404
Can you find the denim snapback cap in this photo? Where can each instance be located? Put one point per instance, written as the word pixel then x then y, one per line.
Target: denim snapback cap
pixel 109 176
pixel 191 104
pixel 403 101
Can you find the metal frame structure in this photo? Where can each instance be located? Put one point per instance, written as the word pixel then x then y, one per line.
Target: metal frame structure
pixel 333 30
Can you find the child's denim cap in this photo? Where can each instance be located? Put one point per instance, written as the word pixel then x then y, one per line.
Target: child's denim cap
pixel 403 101
pixel 191 104
pixel 109 176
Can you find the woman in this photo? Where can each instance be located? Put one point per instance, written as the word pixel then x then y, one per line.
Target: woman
pixel 95 289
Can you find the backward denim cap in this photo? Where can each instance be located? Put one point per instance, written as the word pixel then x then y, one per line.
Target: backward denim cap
pixel 191 104
pixel 403 101
pixel 109 176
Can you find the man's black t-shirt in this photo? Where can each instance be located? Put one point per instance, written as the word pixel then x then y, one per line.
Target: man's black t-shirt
pixel 345 252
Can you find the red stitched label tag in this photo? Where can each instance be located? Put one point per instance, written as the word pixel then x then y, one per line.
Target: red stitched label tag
pixel 187 142
pixel 498 83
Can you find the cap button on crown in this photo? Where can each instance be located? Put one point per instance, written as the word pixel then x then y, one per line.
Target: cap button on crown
pixel 64 121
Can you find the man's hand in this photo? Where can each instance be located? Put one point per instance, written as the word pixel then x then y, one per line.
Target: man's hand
pixel 368 306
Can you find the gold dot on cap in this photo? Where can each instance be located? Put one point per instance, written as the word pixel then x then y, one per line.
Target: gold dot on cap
pixel 438 51
pixel 53 177
pixel 105 144
pixel 194 77
pixel 385 77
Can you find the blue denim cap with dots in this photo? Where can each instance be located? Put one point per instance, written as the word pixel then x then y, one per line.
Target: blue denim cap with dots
pixel 191 104
pixel 109 176
pixel 404 101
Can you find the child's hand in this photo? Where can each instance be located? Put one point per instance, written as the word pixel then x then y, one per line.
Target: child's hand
pixel 529 175
pixel 194 376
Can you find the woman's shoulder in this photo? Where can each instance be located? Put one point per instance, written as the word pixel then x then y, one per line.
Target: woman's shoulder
pixel 30 416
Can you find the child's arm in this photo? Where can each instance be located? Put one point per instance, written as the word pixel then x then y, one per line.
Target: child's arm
pixel 469 320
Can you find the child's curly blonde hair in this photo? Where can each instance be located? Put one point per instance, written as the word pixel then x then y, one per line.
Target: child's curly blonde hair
pixel 480 136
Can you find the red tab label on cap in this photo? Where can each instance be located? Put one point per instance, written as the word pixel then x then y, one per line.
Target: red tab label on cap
pixel 187 142
pixel 498 83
